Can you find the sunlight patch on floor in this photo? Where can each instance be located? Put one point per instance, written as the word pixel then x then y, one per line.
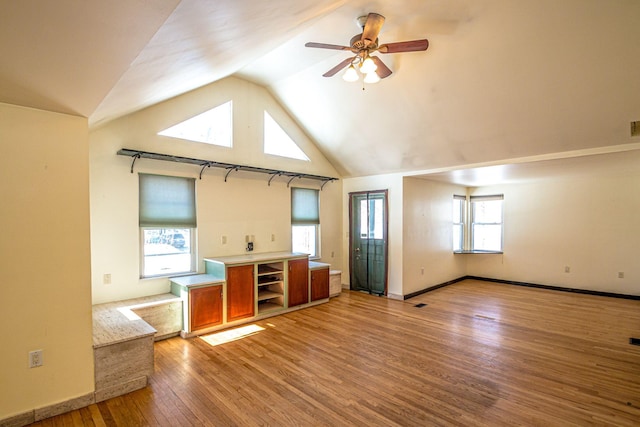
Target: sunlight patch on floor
pixel 223 337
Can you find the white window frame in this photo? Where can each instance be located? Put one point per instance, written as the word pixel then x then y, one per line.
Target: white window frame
pixel 469 223
pixel 474 223
pixel 462 200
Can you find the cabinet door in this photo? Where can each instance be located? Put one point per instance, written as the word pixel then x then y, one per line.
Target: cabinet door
pixel 298 282
pixel 205 305
pixel 319 284
pixel 240 292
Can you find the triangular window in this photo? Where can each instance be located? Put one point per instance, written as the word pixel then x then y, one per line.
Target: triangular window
pixel 278 143
pixel 211 127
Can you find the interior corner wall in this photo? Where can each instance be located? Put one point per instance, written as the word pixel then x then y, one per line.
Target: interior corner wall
pixel 45 258
pixel 244 205
pixel 392 183
pixel 428 258
pixel 588 223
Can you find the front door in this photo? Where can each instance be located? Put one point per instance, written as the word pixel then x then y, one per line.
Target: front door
pixel 368 241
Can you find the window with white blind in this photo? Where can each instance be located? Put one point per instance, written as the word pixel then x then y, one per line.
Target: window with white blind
pixel 305 221
pixel 167 219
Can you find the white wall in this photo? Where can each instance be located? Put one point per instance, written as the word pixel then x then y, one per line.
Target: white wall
pixel 45 259
pixel 427 235
pixel 588 223
pixel 392 183
pixel 245 204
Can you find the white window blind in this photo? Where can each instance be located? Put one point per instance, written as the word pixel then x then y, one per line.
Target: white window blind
pixel 167 201
pixel 304 206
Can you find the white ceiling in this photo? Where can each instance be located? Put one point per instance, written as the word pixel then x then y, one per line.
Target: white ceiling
pixel 501 80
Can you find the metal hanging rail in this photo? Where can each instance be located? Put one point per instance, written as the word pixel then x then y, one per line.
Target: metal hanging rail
pixel 230 167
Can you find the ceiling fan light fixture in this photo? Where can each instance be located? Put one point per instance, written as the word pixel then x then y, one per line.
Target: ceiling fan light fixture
pixel 351 75
pixel 371 77
pixel 368 66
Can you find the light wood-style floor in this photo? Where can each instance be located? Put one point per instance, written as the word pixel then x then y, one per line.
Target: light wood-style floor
pixel 478 353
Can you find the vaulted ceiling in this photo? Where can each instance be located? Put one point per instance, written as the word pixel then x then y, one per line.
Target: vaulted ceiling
pixel 502 80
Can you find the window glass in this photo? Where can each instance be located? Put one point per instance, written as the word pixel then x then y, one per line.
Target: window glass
pixel 211 127
pixel 486 225
pixel 166 251
pixel 304 239
pixel 277 142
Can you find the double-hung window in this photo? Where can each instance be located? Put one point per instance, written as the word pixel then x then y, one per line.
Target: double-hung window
pixel 459 203
pixel 477 223
pixel 305 221
pixel 167 218
pixel 486 223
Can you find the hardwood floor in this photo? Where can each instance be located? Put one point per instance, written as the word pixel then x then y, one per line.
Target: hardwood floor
pixel 478 353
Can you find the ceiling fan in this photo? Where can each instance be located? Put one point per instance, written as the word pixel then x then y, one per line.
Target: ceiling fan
pixel 363 45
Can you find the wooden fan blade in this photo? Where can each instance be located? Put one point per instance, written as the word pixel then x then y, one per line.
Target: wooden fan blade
pixel 410 46
pixel 382 71
pixel 326 46
pixel 338 67
pixel 372 28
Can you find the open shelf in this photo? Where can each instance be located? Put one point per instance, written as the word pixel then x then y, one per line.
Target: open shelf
pixel 264 295
pixel 270 281
pixel 271 268
pixel 266 306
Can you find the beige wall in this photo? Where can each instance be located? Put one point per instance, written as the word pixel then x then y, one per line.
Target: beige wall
pixel 428 259
pixel 45 258
pixel 588 223
pixel 245 204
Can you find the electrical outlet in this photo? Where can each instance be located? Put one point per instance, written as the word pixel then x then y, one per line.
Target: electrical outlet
pixel 422 271
pixel 106 279
pixel 249 246
pixel 273 237
pixel 620 274
pixel 567 269
pixel 223 239
pixel 35 358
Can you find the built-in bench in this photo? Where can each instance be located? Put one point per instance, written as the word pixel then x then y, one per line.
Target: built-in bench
pixel 123 336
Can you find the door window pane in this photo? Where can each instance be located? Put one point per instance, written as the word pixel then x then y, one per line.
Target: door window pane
pixel 371 219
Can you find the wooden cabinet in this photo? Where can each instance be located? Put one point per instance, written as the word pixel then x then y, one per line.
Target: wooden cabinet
pixel 205 305
pixel 202 301
pixel 319 284
pixel 298 282
pixel 240 292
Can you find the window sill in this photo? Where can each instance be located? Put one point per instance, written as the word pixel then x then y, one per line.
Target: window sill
pixel 478 252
